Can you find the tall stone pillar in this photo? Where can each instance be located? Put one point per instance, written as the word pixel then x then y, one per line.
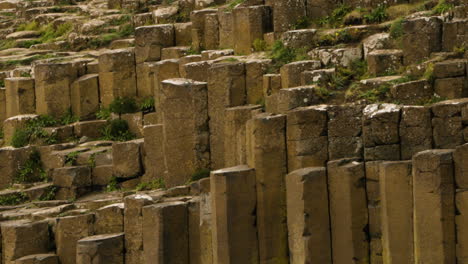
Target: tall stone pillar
pixel 266 141
pixel 226 88
pixel 233 216
pixel 397 212
pixel 308 216
pixel 20 96
pixel 184 106
pixel 434 208
pixel 348 211
pixel 101 249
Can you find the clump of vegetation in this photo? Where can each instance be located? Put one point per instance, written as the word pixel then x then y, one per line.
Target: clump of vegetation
pixel 377 15
pixel 335 19
pixel 117 130
pixel 233 4
pixel 375 95
pixel 32 26
pixel 68 118
pixel 396 29
pixel 13 199
pixel 113 185
pixel 71 158
pixel 281 55
pixel 322 92
pixel 442 7
pixel 103 114
pixel 105 39
pixel 92 160
pixel 49 194
pixel 458 50
pixel 434 99
pixel 200 174
pixel 147 105
pixel 49 33
pixel 260 45
pixel 152 185
pixel 32 170
pixel 340 36
pixel 25 61
pixel 429 73
pixel 302 23
pixel 123 105
pixel 34 130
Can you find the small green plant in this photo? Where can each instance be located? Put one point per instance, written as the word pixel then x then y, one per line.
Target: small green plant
pixel 34 130
pixel 92 160
pixel 13 199
pixel 147 105
pixel 303 23
pixel 281 55
pixel 71 158
pixel 458 50
pixel 32 26
pixel 377 94
pixel 113 185
pixel 68 118
pixel 260 45
pixel 50 33
pixel 231 60
pixel 25 74
pixel 233 4
pixel 117 130
pixel 336 17
pixel 429 73
pixel 377 15
pixel 32 170
pixel 322 92
pixel 200 174
pixel 340 36
pixel 152 185
pixel 2 83
pixel 121 20
pixel 20 138
pixel 433 100
pixel 49 194
pixel 396 29
pixel 103 114
pixel 123 105
pixel 442 7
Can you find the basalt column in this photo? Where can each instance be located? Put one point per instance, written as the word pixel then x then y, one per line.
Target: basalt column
pixel 186 136
pixel 266 152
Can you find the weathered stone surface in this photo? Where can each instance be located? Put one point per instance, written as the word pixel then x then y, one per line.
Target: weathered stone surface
pixel 68 231
pixel 109 219
pixel 461 199
pixel 197 71
pixel 449 68
pixel 344 131
pixel 19 96
pixel 287 99
pixel 397 211
pixel 101 249
pixel 271 84
pixel 451 88
pixel 183 34
pixel 308 216
pixel 299 39
pixel 133 227
pixel 384 62
pixel 415 130
pixel 434 208
pixel 126 158
pixel 85 96
pixel 290 72
pixel 149 40
pixel 235 145
pixel 68 177
pixel 249 24
pixel 415 92
pixel 266 152
pixel 165 236
pixel 254 71
pixel 38 259
pixel 155 166
pixel 233 221
pixel 21 239
pixel 307 137
pixel 455 34
pixel 12 160
pixel 226 36
pixel 198 27
pixel 286 13
pixel 90 129
pixel 116 84
pixel 423 35
pixel 348 211
pixel 186 136
pixel 162 70
pixel 381 132
pixel 447 126
pixel 211 36
pixel 374 210
pixel 226 88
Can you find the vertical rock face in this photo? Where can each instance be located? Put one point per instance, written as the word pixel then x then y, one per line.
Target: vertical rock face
pixel 233 219
pixel 348 211
pixel 85 96
pixel 415 130
pixel 101 249
pixel 250 23
pixel 52 86
pixel 266 152
pixel 185 118
pixel 149 41
pixel 286 13
pixel 397 212
pixel 20 97
pixel 308 216
pixel 374 209
pixel 422 37
pixel 165 236
pixel 21 239
pixel 345 132
pixel 434 196
pixel 69 230
pixel 307 141
pixel 117 76
pixel 226 88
